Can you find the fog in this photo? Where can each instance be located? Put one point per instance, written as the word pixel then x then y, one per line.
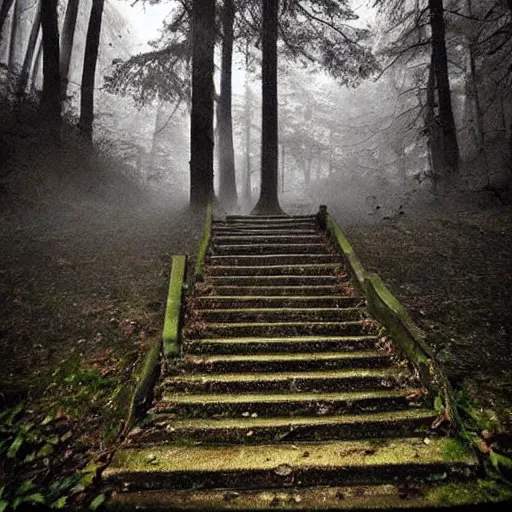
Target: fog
pixel 364 149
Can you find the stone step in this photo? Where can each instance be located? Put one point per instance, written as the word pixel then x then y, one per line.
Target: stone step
pixel 265 239
pixel 273 329
pixel 268 226
pixel 288 344
pixel 367 462
pixel 286 362
pixel 279 314
pixel 248 301
pixel 285 280
pixel 275 270
pixel 273 248
pixel 273 259
pixel 271 218
pixel 424 496
pixel 301 290
pixel 234 230
pixel 285 382
pixel 270 221
pixel 168 429
pixel 286 404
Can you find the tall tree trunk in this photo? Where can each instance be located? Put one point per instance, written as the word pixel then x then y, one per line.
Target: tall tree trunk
pixel 51 101
pixel 89 72
pixel 307 167
pixel 268 203
pixel 29 54
pixel 434 141
pixel 14 44
pixel 36 68
pixel 4 12
pixel 283 164
pixel 227 188
pixel 331 150
pixel 201 121
pixel 159 124
pixel 318 165
pixel 446 119
pixel 477 104
pixel 68 34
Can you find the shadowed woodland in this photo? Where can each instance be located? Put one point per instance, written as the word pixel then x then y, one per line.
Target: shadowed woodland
pixel 114 139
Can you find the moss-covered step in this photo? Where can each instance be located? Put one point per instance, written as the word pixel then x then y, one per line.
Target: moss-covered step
pixel 270 238
pixel 167 429
pixel 288 344
pixel 276 301
pixel 279 314
pixel 284 280
pixel 398 496
pixel 273 259
pixel 288 404
pixel 240 329
pixel 286 465
pixel 285 382
pixel 311 269
pixel 273 248
pixel 227 363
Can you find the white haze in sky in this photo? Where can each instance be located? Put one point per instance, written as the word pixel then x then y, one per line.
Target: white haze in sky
pixel 147 20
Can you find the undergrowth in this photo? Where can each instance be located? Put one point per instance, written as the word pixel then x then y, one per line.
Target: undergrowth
pixel 36 464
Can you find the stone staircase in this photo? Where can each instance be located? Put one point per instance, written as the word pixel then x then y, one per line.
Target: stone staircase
pixel 287 393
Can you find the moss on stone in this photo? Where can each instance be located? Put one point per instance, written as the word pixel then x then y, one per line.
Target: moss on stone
pixel 203 248
pixel 480 491
pixel 173 309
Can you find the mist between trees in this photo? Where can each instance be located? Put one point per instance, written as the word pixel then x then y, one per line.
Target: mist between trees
pixel 418 104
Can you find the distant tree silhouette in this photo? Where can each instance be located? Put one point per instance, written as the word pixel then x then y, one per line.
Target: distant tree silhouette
pixel 227 189
pixel 30 51
pixel 68 33
pixel 4 13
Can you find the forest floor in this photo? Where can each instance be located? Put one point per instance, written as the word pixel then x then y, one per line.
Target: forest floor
pixel 83 292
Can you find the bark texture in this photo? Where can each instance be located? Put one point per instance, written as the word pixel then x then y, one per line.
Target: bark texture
pixel 201 122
